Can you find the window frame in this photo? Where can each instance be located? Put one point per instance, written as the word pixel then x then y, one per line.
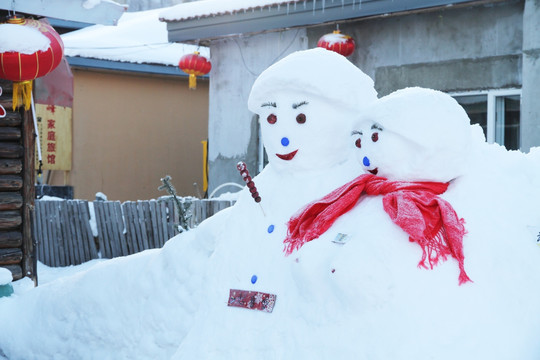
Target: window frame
pixel 492 96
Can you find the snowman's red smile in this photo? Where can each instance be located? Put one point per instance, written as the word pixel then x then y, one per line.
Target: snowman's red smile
pixel 374 171
pixel 288 156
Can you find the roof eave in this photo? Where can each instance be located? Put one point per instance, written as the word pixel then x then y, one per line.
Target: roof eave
pixel 99 64
pixel 310 12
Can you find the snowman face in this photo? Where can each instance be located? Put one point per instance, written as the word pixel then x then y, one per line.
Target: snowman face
pixel 384 153
pixel 304 132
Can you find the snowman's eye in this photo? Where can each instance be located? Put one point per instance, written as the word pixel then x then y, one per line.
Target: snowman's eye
pixel 358 143
pixel 375 137
pixel 271 119
pixel 301 118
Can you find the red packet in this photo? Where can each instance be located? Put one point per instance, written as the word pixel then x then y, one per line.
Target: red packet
pixel 253 300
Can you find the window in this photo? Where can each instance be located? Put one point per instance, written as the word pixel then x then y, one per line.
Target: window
pixel 497 112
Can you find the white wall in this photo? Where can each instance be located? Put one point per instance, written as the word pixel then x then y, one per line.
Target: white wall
pixel 236 63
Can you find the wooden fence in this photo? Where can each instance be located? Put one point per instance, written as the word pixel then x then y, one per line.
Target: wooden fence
pixel 64 233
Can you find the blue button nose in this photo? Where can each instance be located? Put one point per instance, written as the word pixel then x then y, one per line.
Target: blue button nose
pixel 284 141
pixel 365 161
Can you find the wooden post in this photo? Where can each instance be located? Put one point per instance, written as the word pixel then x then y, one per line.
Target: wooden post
pixel 29 262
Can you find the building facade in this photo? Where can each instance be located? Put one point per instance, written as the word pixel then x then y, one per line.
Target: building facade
pixel 484 53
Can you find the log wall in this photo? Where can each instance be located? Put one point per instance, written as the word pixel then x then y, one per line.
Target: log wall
pixel 16 188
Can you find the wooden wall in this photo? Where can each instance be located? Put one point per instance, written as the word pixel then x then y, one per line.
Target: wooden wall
pixel 16 188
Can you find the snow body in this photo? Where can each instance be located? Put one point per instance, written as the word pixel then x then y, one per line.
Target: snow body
pixel 322 159
pixel 142 306
pixel 397 310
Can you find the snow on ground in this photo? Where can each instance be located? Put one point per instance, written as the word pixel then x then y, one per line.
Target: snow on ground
pixel 356 291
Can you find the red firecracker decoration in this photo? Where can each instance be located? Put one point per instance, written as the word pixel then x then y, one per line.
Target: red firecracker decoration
pixel 23 68
pixel 241 166
pixel 337 42
pixel 194 65
pixel 2 110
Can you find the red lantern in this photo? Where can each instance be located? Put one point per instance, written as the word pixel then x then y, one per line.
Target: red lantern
pixel 23 66
pixel 336 41
pixel 194 65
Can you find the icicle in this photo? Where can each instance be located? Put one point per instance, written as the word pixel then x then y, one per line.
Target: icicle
pixel 314 6
pixel 323 5
pixel 304 4
pixel 278 7
pixel 342 3
pixel 287 8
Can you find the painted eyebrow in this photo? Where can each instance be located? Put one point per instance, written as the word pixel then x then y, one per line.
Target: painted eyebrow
pixel 376 126
pixel 273 104
pixel 355 132
pixel 295 106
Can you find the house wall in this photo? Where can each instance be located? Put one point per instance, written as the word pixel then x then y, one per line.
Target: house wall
pixel 490 46
pixel 131 130
pixel 233 129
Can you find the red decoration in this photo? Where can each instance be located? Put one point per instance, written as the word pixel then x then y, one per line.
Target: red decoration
pixel 194 65
pixel 253 300
pixel 429 220
pixel 22 68
pixel 2 110
pixel 337 42
pixel 241 166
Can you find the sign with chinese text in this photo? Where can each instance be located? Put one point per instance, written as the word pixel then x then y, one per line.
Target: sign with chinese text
pixel 253 300
pixel 54 127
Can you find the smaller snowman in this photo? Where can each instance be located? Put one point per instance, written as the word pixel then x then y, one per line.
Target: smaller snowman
pixel 411 144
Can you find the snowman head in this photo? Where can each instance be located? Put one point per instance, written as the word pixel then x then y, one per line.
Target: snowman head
pixel 414 134
pixel 306 104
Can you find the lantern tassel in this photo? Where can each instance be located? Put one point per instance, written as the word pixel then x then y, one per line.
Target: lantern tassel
pixel 192 81
pixel 22 94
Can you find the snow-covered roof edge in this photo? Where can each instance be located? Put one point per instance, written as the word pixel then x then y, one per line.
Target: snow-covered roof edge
pixel 210 8
pixel 105 12
pixel 209 19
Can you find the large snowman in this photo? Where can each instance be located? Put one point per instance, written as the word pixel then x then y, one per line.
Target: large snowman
pixel 306 115
pixel 182 291
pixel 478 299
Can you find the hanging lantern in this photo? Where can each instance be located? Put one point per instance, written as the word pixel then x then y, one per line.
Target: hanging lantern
pixel 194 65
pixel 30 49
pixel 336 41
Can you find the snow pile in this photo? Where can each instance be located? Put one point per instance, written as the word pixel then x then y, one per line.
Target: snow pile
pixel 12 34
pixel 138 38
pixel 353 293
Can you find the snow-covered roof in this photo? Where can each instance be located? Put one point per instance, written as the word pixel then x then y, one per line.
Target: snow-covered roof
pixel 138 38
pixel 84 11
pixel 207 8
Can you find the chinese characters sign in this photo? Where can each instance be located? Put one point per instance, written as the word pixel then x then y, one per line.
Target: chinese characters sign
pixel 54 126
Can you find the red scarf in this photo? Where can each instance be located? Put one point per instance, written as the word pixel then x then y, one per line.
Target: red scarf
pixel 414 206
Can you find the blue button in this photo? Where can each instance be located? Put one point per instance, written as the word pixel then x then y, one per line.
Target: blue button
pixel 271 229
pixel 254 279
pixel 285 141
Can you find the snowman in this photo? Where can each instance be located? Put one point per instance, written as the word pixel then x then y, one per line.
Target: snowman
pixel 410 294
pixel 306 115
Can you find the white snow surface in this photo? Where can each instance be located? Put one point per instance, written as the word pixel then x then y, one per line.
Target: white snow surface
pixel 205 8
pixel 365 299
pixel 5 276
pixel 138 38
pixel 12 34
